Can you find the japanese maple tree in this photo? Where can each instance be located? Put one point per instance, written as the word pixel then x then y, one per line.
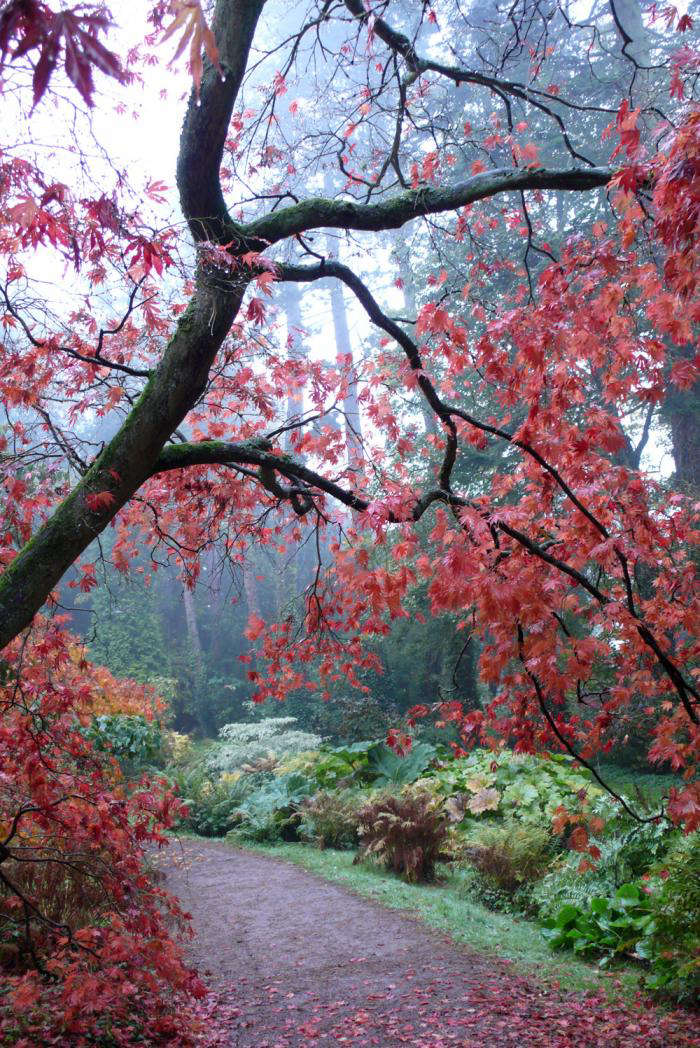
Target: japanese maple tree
pixel 358 118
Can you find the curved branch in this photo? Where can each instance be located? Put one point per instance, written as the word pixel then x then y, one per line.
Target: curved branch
pixel 417 65
pixel 319 212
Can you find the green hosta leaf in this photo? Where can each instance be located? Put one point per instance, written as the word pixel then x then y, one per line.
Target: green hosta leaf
pixel 566 915
pixel 628 893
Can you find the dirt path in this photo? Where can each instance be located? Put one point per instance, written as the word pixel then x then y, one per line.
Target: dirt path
pixel 300 962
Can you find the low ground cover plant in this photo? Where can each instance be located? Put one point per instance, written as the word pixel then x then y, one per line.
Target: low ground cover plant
pixel 506 784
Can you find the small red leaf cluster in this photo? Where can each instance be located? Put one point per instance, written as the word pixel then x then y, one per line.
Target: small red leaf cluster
pixel 27 26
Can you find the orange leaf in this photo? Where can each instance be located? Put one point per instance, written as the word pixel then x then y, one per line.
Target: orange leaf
pixel 190 18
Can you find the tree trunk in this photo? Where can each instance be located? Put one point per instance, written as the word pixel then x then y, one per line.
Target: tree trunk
pixel 683 413
pixel 181 376
pixel 297 349
pixel 352 423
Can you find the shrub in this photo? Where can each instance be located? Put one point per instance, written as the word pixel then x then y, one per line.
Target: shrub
pixel 482 889
pixel 330 818
pixel 386 767
pixel 625 854
pixel 406 833
pixel 654 920
pixel 509 854
pixel 343 765
pixel 211 806
pixel 243 743
pixel 177 748
pixel 675 904
pixel 76 900
pixel 507 784
pixel 271 813
pixel 611 926
pixel 564 884
pixel 304 762
pixel 372 763
pixel 132 740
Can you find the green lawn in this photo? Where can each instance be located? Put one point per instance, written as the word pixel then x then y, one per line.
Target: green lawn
pixel 445 907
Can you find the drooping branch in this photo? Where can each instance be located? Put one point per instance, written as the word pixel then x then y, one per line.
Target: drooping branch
pixel 445 412
pixel 687 693
pixel 562 739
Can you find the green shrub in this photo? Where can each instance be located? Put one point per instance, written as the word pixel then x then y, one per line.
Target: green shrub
pixel 675 905
pixel 134 741
pixel 626 853
pixel 611 926
pixel 509 854
pixel 271 812
pixel 656 920
pixel 343 765
pixel 406 833
pixel 330 818
pixel 564 884
pixel 481 889
pixel 387 768
pixel 372 763
pixel 212 806
pixel 512 785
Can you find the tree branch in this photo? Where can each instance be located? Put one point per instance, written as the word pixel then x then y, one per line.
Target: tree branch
pixel 319 212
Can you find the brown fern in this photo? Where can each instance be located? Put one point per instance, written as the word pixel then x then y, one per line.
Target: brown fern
pixel 405 833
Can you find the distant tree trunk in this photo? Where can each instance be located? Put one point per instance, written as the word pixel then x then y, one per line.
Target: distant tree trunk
pixel 297 350
pixel 216 635
pixel 410 306
pixel 293 570
pixel 634 45
pixel 198 675
pixel 191 623
pixel 683 413
pixel 251 589
pixel 344 357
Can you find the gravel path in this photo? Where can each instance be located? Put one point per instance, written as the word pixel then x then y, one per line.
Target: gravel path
pixel 299 962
